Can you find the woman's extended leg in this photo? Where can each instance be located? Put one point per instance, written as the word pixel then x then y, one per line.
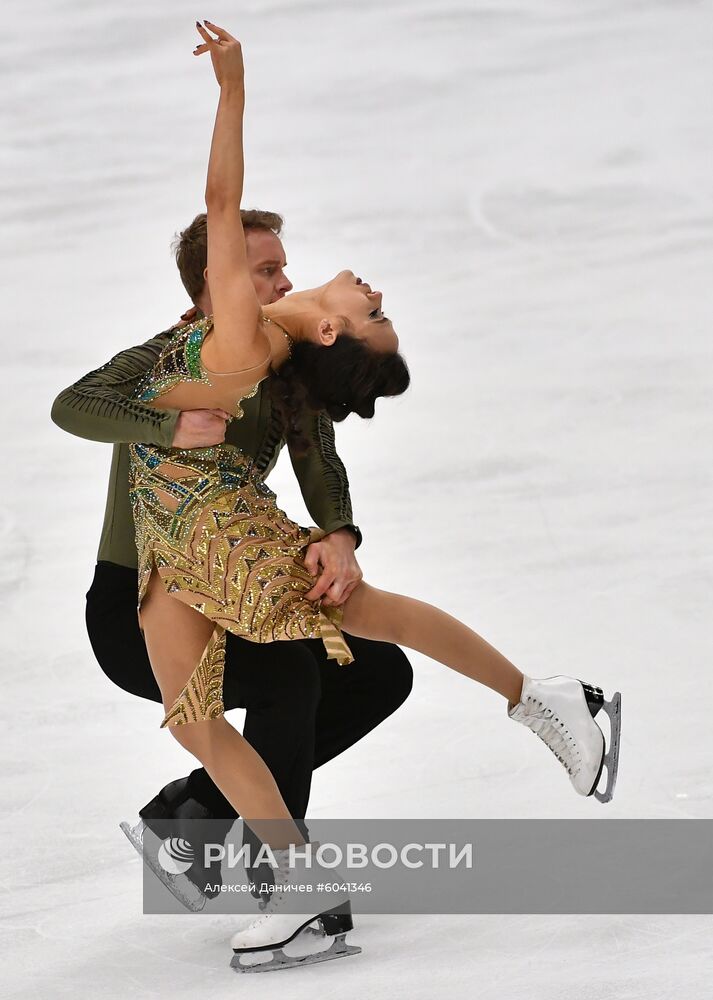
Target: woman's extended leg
pixel 377 614
pixel 560 709
pixel 176 636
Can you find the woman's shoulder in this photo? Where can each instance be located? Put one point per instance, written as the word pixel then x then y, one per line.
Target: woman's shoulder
pixel 186 335
pixel 190 340
pixel 179 360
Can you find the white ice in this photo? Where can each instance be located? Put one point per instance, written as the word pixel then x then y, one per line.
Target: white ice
pixel 529 183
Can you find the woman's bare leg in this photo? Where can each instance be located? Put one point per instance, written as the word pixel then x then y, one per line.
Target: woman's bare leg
pixel 377 614
pixel 176 636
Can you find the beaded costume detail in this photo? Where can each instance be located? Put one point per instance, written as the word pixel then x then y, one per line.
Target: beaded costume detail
pixel 212 529
pixel 180 361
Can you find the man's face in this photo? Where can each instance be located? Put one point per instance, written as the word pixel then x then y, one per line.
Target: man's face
pixel 267 263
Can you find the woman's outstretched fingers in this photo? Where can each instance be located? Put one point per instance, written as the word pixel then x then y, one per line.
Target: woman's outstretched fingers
pixel 204 46
pixel 203 32
pixel 220 32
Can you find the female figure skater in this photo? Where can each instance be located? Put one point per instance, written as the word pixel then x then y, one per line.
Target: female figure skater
pixel 216 553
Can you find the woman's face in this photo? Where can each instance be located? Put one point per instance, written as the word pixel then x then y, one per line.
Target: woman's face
pixel 349 296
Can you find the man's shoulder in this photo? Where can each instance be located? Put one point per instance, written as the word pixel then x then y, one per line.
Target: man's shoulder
pixel 138 358
pixel 169 331
pixel 157 342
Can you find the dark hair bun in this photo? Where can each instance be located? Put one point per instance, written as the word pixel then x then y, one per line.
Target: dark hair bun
pixel 347 377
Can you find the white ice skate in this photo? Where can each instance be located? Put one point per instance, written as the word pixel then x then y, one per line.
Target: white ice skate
pixel 147 845
pixel 259 946
pixel 561 710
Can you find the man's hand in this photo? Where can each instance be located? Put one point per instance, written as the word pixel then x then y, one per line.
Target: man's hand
pixel 200 428
pixel 340 570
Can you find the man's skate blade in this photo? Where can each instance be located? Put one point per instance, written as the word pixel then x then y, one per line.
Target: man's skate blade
pixel 241 961
pixel 191 902
pixel 133 840
pixel 611 758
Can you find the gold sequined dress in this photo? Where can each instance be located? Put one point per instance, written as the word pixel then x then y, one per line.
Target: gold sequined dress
pixel 212 529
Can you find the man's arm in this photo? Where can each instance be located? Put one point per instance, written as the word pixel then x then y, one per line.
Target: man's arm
pixel 322 477
pixel 98 407
pixel 325 490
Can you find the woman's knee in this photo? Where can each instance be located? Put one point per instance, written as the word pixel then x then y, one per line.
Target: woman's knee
pixel 200 738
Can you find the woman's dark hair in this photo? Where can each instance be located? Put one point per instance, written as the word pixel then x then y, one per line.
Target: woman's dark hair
pixel 346 377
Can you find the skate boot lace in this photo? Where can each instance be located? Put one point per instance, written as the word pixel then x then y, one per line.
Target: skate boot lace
pixel 554 734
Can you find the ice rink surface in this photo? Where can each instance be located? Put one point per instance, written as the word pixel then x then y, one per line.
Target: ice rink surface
pixel 529 184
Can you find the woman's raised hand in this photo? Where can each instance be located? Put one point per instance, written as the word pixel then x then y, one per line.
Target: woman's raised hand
pixel 225 53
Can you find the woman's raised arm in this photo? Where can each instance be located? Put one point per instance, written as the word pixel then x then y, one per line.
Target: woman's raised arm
pixel 236 342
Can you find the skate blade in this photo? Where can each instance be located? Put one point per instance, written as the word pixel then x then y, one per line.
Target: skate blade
pixel 611 757
pixel 193 903
pixel 249 961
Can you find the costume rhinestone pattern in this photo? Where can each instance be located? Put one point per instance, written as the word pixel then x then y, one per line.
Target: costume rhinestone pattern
pixel 212 529
pixel 179 361
pixel 202 697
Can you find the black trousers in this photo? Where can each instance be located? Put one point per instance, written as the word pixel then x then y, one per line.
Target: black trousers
pixel 302 709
